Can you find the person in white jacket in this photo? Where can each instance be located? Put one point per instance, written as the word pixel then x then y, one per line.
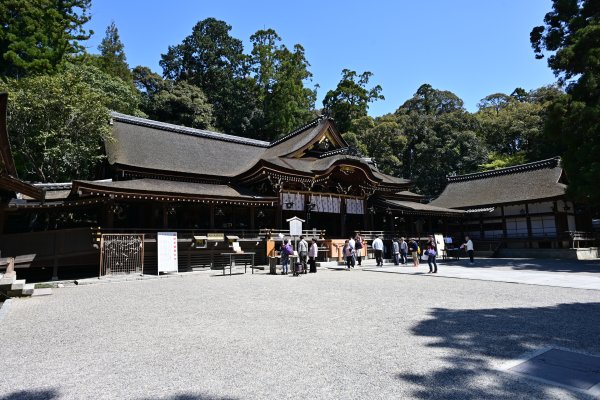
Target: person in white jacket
pixel 378 248
pixel 313 251
pixel 468 246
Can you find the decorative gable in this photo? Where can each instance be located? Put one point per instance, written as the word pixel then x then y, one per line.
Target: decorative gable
pixel 326 141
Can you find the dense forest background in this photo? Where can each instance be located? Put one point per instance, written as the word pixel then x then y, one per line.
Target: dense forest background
pixel 61 95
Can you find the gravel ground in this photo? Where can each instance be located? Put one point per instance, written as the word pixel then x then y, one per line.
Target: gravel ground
pixel 331 335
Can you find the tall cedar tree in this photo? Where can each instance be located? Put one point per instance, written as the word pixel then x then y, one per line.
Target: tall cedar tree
pixel 350 99
pixel 214 61
pixel 112 55
pixel 36 36
pixel 572 35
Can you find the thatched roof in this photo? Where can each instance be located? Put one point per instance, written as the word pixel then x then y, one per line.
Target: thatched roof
pixel 151 145
pixel 521 183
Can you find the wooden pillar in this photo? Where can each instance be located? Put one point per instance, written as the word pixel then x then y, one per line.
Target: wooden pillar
pixel 2 218
pixel 252 213
pixel 481 231
pixel 365 218
pixel 109 216
pixel 343 219
pixel 212 216
pixel 165 216
pixel 279 213
pixel 429 225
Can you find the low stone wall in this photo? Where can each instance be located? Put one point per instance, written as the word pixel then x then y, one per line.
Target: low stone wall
pixel 589 253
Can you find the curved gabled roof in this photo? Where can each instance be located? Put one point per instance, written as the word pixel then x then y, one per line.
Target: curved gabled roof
pixel 141 143
pixel 521 183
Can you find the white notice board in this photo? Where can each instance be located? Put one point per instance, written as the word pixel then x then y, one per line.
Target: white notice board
pixel 439 240
pixel 167 252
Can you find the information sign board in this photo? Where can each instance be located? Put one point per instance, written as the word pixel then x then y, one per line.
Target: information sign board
pixel 167 251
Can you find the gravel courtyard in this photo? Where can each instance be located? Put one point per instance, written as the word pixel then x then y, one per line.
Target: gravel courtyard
pixel 331 335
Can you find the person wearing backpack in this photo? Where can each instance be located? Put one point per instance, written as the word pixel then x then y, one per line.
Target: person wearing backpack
pixel 414 250
pixel 286 252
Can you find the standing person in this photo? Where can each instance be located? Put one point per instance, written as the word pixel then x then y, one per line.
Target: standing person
pixel 403 251
pixel 303 252
pixel 468 245
pixel 348 252
pixel 352 244
pixel 431 243
pixel 431 254
pixel 396 251
pixel 414 250
pixel 358 246
pixel 378 247
pixel 313 251
pixel 286 251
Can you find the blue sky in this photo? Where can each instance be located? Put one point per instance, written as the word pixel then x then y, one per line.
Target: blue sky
pixel 471 47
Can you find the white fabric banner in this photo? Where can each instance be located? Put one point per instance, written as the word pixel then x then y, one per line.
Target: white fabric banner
pixel 292 201
pixel 355 206
pixel 326 204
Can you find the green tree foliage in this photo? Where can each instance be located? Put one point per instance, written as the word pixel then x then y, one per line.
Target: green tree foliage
pixel 214 61
pixel 182 104
pixel 350 99
pixel 499 160
pixel 112 59
pixel 571 35
pixel 174 102
pixel 280 75
pixel 57 126
pixel 430 101
pixel 117 95
pixel 385 142
pixel 36 36
pixel 512 126
pixel 441 138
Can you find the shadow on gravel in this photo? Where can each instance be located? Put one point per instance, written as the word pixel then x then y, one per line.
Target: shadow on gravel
pixel 32 395
pixel 532 264
pixel 475 336
pixel 191 396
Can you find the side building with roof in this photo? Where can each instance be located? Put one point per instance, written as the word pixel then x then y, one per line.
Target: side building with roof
pixel 522 209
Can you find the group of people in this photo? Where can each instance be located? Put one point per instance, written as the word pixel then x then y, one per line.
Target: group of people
pixel 307 254
pixel 352 250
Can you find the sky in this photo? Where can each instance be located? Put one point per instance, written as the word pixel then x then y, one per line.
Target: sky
pixel 472 48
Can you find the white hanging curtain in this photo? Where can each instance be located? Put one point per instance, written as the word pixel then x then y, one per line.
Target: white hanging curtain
pixel 355 206
pixel 292 201
pixel 326 204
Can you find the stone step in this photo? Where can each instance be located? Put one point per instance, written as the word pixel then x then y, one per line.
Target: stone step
pixel 42 292
pixel 18 284
pixel 6 282
pixel 28 289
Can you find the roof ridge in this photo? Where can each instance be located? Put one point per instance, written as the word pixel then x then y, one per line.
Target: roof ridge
pixel 186 130
pixel 296 131
pixel 548 163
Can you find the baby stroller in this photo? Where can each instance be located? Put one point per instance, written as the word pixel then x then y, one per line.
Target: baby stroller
pixel 298 269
